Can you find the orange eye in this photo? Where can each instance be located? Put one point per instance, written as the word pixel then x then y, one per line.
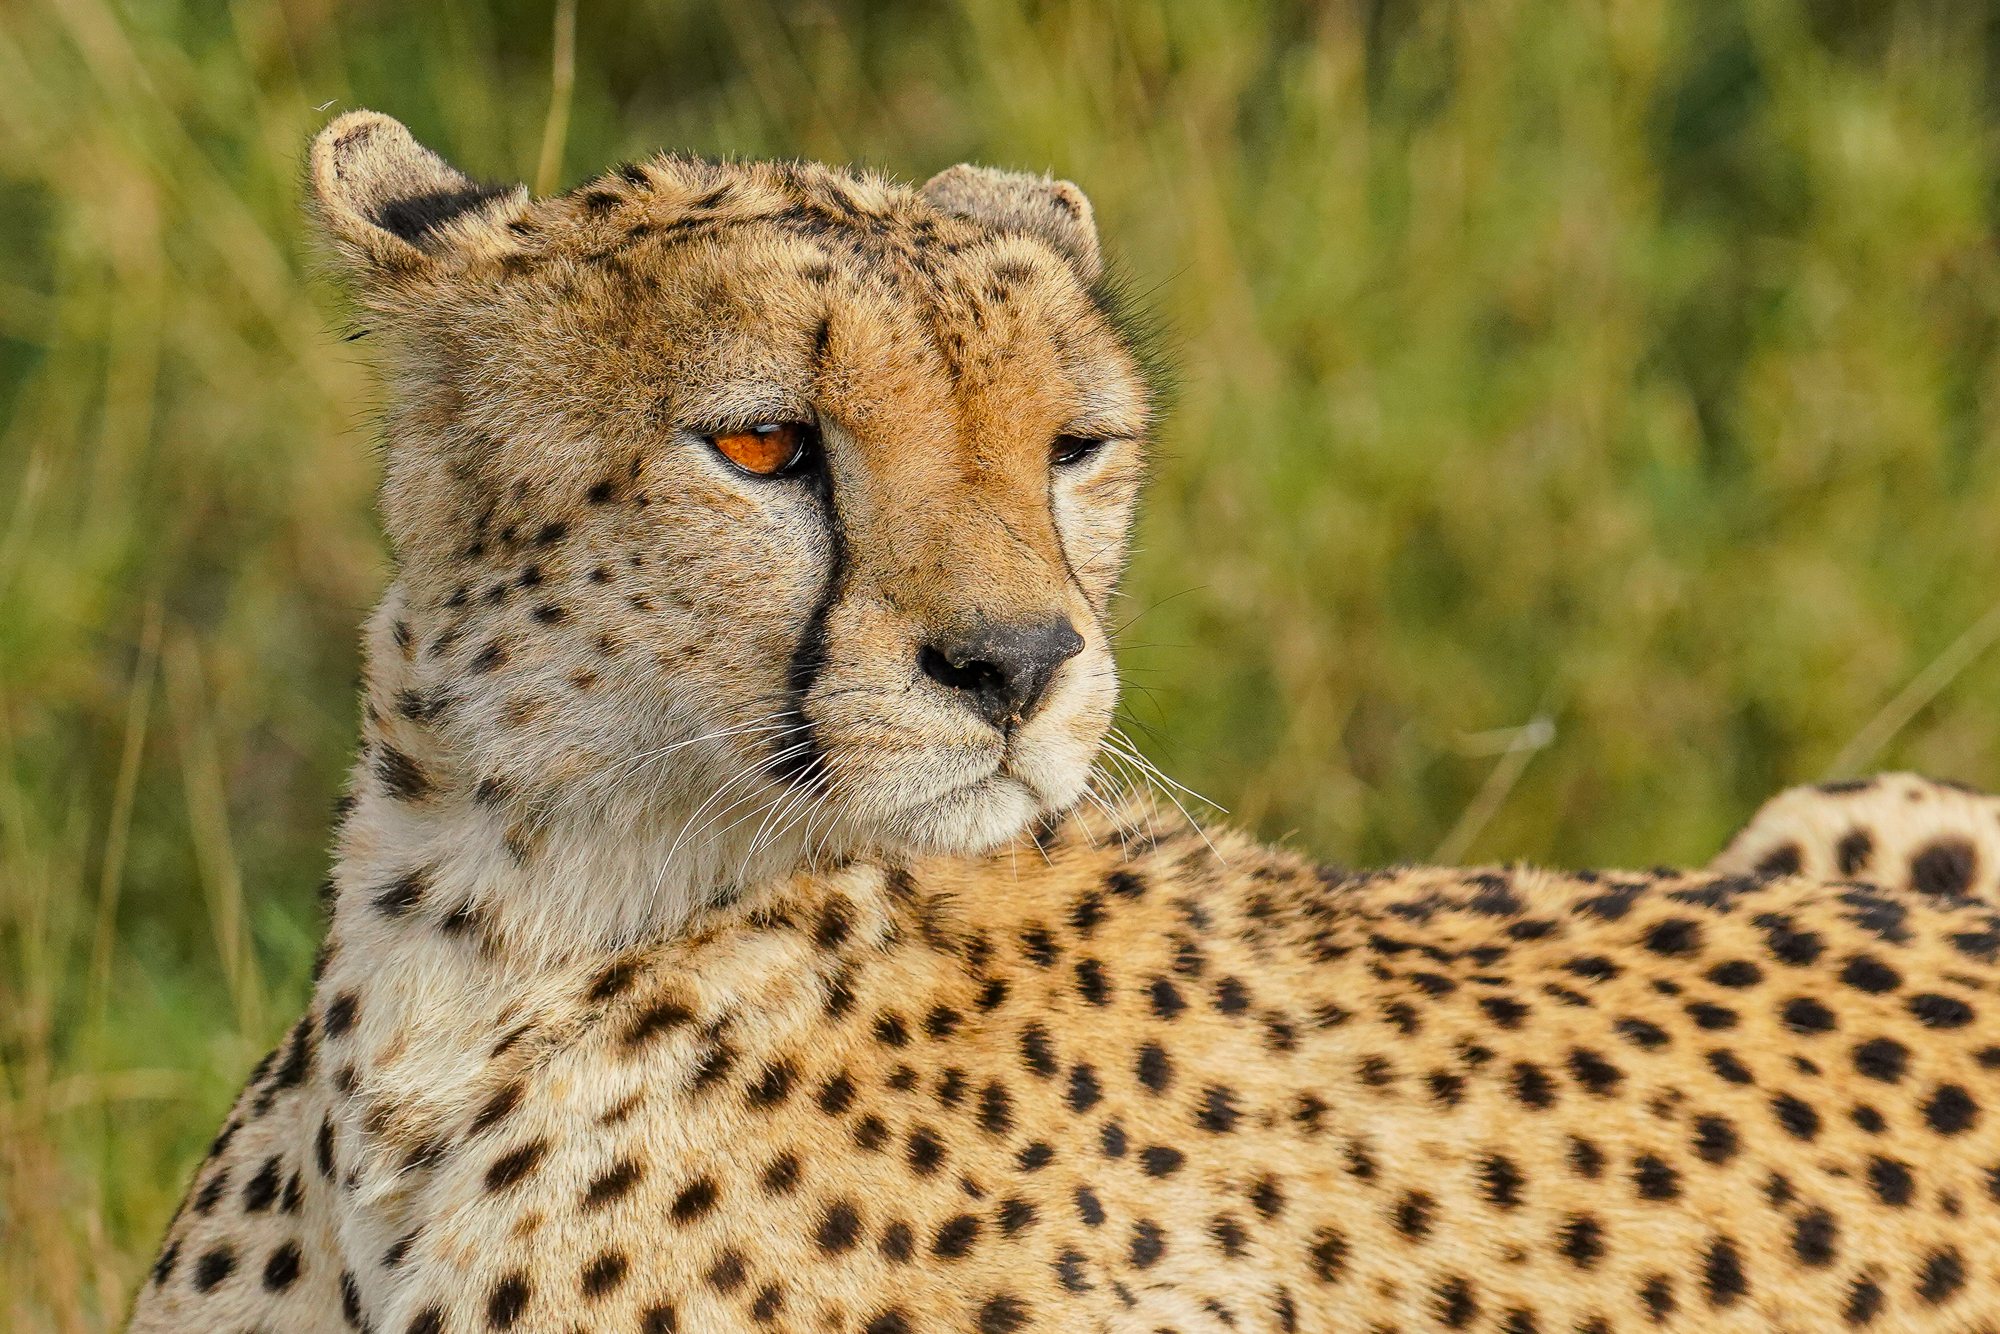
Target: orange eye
pixel 765 450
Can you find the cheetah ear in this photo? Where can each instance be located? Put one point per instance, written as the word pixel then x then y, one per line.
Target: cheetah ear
pixel 388 203
pixel 1015 201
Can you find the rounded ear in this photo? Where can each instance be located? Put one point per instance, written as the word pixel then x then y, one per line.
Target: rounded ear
pixel 1015 201
pixel 386 202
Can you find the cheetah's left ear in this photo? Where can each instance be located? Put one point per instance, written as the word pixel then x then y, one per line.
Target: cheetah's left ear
pixel 387 203
pixel 1014 201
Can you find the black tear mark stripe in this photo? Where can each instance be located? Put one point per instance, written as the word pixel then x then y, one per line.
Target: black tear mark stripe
pixel 796 749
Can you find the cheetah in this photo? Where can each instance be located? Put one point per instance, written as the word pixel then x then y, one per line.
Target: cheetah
pixel 726 932
pixel 1899 830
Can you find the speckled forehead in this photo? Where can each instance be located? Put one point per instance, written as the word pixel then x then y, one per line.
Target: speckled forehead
pixel 890 332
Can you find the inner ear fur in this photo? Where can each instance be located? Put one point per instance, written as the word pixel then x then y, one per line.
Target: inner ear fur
pixel 1052 211
pixel 387 203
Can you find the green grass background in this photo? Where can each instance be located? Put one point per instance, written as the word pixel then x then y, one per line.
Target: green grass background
pixel 1626 364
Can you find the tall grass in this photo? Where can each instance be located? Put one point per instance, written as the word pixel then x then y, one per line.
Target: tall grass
pixel 1587 426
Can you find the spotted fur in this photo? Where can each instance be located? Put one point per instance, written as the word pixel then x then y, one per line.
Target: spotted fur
pixel 1898 830
pixel 966 1054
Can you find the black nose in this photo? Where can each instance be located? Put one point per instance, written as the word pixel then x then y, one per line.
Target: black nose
pixel 1002 671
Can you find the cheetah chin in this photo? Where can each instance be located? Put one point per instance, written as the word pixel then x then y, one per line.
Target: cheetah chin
pixel 727 933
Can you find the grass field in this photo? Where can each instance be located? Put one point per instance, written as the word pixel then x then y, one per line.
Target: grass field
pixel 1587 425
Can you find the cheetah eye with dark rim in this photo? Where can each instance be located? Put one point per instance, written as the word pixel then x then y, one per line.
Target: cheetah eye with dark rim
pixel 767 450
pixel 1066 450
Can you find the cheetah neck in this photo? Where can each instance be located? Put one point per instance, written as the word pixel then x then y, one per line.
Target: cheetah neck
pixel 532 853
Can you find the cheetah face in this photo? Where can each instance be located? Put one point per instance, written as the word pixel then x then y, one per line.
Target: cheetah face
pixel 774 506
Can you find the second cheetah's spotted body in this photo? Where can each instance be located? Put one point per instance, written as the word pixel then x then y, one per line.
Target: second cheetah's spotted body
pixel 1008 1065
pixel 1895 830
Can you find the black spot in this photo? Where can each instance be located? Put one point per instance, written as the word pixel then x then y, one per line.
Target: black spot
pixel 1149 1243
pixel 1657 1293
pixel 871 1133
pixel 1948 866
pixel 1595 967
pixel 1165 998
pixel 1851 854
pixel 430 1320
pixel 899 1243
pixel 839 1229
pixel 1798 1118
pixel 497 1108
pixel 508 1299
pixel 1533 1086
pixel 1785 859
pixel 508 1169
pixel 1864 1301
pixel 1807 1016
pixel 1675 937
pixel 996 1109
pixel 403 895
pixel 1088 1208
pixel 404 779
pixel 1880 916
pixel 1715 1139
pixel 1069 1271
pixel 1035 1157
pixel 1503 1010
pixel 1454 1306
pixel 890 1031
pixel 1726 1066
pixel 1218 1114
pixel 941 1022
pixel 1159 1161
pixel 1500 1181
pixel 612 1184
pixel 1866 973
pixel 1813 1238
pixel 1642 1033
pixel 1581 1240
pixel 1944 1275
pixel 1036 1052
pixel 603 1274
pixel 1722 1273
pixel 782 1175
pixel 340 1014
pixel 1016 1216
pixel 1654 1179
pixel 1935 1011
pixel 1413 1215
pixel 350 1303
pixel 1594 1072
pixel 282 1269
pixel 1884 1059
pixel 262 1189
pixel 694 1201
pixel 659 1320
pixel 889 1322
pixel 1585 1158
pixel 955 1237
pixel 1712 1017
pixel 1787 944
pixel 1951 1110
pixel 1002 1315
pixel 1231 996
pixel 836 1095
pixel 1039 946
pixel 1736 973
pixel 728 1272
pixel 773 1086
pixel 1155 1071
pixel 925 1151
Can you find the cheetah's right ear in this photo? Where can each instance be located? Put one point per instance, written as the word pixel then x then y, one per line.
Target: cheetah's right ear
pixel 388 204
pixel 1054 212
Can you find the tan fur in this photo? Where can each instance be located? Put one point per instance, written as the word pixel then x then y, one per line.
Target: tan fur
pixel 958 1053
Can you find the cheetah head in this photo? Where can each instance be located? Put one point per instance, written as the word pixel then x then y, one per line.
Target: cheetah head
pixel 766 510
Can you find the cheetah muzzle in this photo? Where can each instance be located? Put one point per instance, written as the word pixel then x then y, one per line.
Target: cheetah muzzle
pixel 727 935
